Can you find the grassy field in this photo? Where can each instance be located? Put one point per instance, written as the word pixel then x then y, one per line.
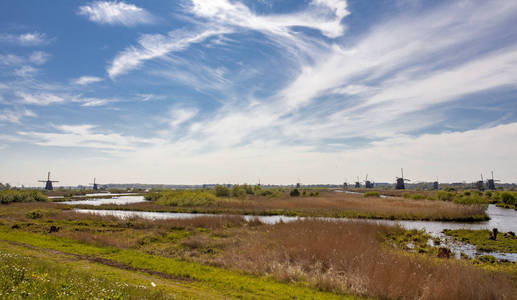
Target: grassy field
pixel 228 257
pixel 326 204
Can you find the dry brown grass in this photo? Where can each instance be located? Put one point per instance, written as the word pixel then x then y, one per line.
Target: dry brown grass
pixel 334 256
pixel 349 257
pixel 333 204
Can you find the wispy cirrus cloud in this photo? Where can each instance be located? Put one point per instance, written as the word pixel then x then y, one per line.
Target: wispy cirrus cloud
pixel 151 46
pixel 26 71
pixel 86 80
pixel 224 16
pixel 39 57
pixel 323 15
pixel 15 115
pixel 88 136
pixel 26 39
pixel 49 98
pixel 115 13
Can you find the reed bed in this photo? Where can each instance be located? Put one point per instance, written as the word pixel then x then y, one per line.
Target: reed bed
pixel 342 257
pixel 329 204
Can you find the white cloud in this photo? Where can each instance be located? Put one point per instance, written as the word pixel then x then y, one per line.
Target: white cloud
pixel 85 80
pixel 25 71
pixel 106 12
pixel 180 115
pixel 324 15
pixel 11 59
pixel 39 57
pixel 40 98
pixel 25 39
pixel 15 116
pixel 94 101
pixel 86 136
pixel 153 46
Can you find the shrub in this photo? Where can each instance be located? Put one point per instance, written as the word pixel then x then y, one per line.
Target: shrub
pixel 222 191
pixel 238 191
pixel 185 198
pixel 508 198
pixel 9 196
pixel 445 195
pixel 372 194
pixel 294 193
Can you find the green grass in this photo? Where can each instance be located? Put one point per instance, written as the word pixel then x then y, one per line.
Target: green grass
pixel 9 196
pixel 372 194
pixel 183 198
pixel 228 283
pixel 28 277
pixel 479 238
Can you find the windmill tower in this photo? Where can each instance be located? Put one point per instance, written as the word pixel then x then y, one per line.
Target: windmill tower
pixel 357 183
pixel 367 183
pixel 345 185
pixel 435 185
pixel 491 182
pixel 48 182
pixel 95 185
pixel 400 181
pixel 480 184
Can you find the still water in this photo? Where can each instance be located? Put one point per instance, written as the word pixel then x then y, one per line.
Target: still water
pixel 118 200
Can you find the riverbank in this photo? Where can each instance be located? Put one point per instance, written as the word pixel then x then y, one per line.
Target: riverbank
pixel 235 257
pixel 327 204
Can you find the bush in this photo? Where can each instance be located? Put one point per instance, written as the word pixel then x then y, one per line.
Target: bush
pixel 185 198
pixel 445 195
pixel 372 194
pixel 294 193
pixel 222 191
pixel 508 198
pixel 238 192
pixel 9 196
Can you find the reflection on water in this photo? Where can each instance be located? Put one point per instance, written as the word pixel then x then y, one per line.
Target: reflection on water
pixel 108 194
pixel 120 200
pixel 503 219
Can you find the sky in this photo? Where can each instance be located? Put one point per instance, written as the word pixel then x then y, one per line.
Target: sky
pixel 237 91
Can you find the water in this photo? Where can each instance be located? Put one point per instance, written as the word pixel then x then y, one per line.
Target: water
pixel 503 219
pixel 118 200
pixel 108 194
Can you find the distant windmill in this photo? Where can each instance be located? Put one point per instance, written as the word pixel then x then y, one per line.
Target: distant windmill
pixel 48 182
pixel 400 181
pixel 435 185
pixel 367 183
pixel 357 183
pixel 95 185
pixel 491 182
pixel 345 185
pixel 480 184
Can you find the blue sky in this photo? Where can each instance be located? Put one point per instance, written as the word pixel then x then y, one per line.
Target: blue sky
pixel 213 91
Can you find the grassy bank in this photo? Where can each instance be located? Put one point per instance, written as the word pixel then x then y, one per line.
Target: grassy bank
pixel 25 276
pixel 228 283
pixel 505 242
pixel 232 257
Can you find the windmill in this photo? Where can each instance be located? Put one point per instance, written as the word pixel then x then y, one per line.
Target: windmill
pixel 491 182
pixel 435 185
pixel 48 182
pixel 480 184
pixel 95 185
pixel 400 181
pixel 357 183
pixel 345 185
pixel 367 183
